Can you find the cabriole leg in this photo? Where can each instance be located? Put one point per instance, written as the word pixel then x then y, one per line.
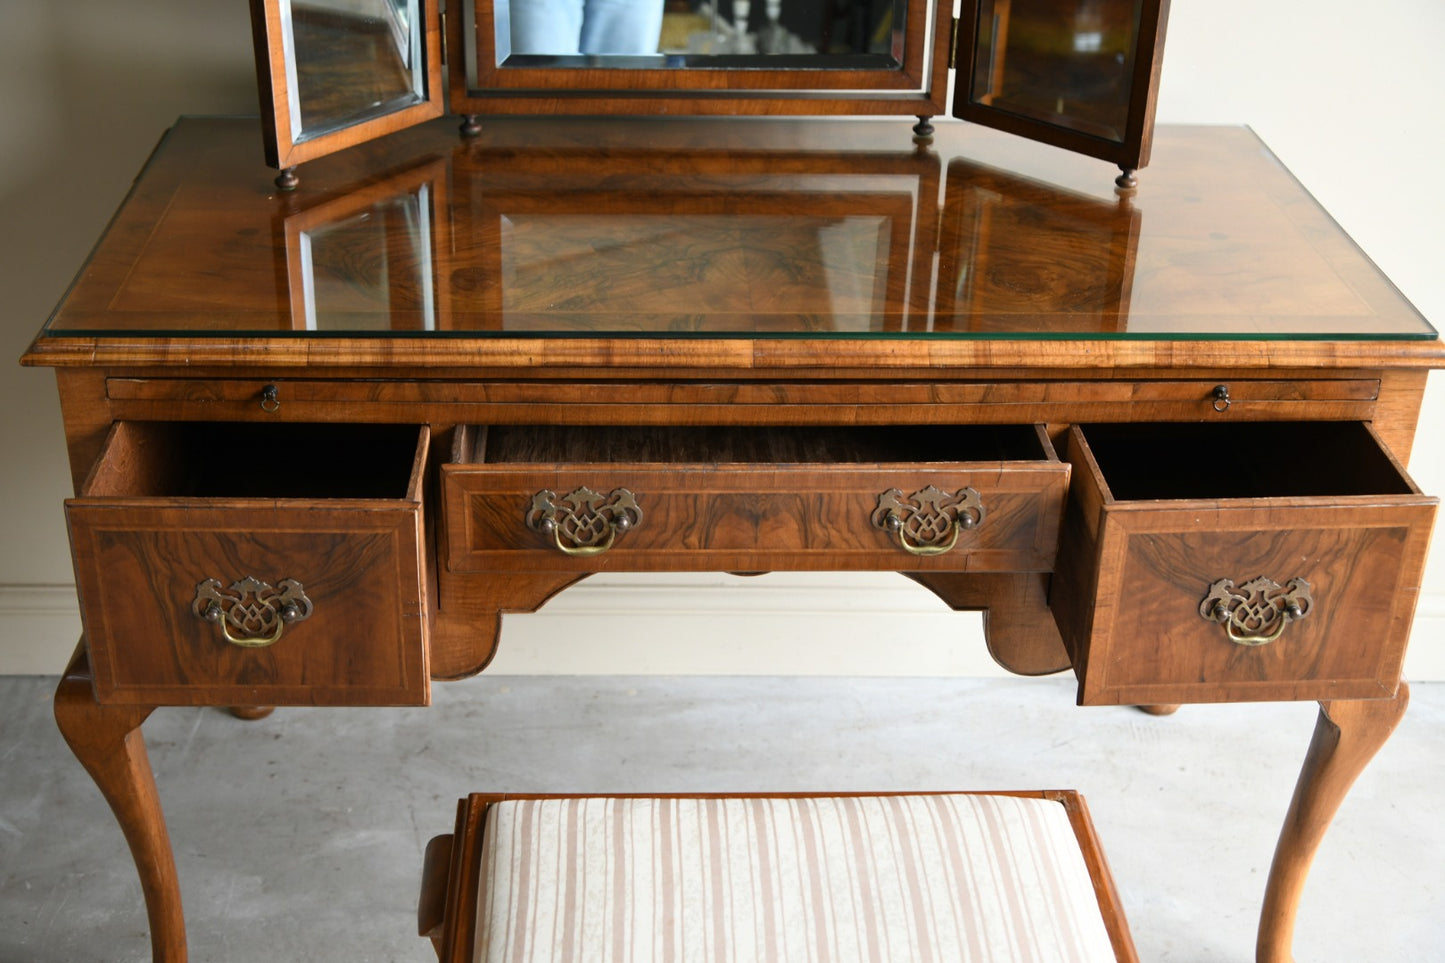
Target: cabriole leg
pixel 1347 736
pixel 107 741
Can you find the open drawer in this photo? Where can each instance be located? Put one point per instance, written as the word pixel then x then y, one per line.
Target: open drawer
pixel 245 564
pixel 1212 562
pixel 961 498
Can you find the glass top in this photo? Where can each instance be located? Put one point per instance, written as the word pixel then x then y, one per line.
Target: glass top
pixel 726 229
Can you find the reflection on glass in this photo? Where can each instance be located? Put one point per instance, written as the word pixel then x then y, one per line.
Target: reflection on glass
pixel 1063 62
pixel 699 33
pixel 695 272
pixel 368 270
pixel 350 60
pixel 1018 255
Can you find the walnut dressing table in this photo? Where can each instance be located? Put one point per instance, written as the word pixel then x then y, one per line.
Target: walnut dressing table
pixel 322 439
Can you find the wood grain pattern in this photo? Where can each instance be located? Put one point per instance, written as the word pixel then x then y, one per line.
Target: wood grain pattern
pixel 711 516
pixel 1284 269
pixel 140 557
pixel 1128 590
pixel 790 402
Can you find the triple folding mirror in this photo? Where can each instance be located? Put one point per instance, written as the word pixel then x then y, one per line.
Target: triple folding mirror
pixel 1078 74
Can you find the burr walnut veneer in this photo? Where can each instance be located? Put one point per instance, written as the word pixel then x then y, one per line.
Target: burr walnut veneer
pixel 322 439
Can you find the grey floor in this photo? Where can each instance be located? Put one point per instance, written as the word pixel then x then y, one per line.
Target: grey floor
pixel 299 837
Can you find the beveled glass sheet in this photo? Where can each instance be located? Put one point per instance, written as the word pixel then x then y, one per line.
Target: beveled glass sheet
pixel 728 228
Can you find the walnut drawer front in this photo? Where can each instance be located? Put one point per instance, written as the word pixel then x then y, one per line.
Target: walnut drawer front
pixel 236 564
pixel 1211 562
pixel 973 498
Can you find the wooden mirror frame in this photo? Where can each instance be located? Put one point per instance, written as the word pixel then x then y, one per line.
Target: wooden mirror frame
pixel 287 147
pixel 934 42
pixel 1131 150
pixel 918 86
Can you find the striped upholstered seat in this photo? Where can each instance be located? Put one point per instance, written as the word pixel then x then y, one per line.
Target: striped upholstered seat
pixel 906 878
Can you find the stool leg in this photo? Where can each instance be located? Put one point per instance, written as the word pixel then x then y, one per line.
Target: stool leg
pixel 1347 736
pixel 431 907
pixel 107 740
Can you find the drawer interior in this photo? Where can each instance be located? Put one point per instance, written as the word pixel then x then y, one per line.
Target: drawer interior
pixel 1242 460
pixel 245 460
pixel 549 444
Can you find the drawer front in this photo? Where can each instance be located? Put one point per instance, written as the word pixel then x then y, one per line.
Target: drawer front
pixel 755 517
pixel 248 601
pixel 1159 635
pixel 1238 599
pixel 148 579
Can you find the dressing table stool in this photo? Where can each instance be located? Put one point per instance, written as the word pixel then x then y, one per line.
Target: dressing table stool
pixel 966 877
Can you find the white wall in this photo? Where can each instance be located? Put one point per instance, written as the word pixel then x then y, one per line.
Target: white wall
pixel 89 86
pixel 1348 98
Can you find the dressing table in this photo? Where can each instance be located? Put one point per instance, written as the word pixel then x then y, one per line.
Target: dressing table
pixel 324 433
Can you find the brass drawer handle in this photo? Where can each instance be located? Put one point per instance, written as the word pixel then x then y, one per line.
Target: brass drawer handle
pixel 1222 401
pixel 929 521
pixel 583 522
pixel 1257 612
pixel 258 612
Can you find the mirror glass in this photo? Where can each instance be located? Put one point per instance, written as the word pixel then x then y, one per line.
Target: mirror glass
pixel 1068 63
pixel 351 60
pixel 817 34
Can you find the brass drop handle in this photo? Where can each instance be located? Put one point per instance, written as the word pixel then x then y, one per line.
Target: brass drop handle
pixel 928 522
pixel 259 612
pixel 1257 612
pixel 583 523
pixel 549 526
pixel 894 524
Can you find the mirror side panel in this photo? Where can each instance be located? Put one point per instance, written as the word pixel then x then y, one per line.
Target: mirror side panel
pixel 1078 74
pixel 335 73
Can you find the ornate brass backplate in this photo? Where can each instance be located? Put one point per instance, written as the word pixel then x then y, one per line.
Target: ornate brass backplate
pixel 1257 612
pixel 929 521
pixel 257 612
pixel 583 522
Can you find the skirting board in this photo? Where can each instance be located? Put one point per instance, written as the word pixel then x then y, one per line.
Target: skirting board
pixel 855 624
